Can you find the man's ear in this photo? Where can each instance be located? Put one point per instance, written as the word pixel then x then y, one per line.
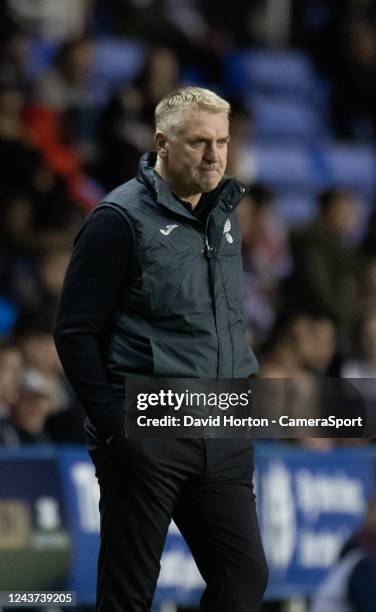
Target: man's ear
pixel 161 144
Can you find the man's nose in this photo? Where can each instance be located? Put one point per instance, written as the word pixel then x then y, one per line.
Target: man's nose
pixel 211 152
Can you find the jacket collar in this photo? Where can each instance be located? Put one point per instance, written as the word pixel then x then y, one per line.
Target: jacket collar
pixel 227 194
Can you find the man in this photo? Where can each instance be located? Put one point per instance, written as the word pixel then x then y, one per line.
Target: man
pixel 323 281
pixel 350 585
pixel 154 289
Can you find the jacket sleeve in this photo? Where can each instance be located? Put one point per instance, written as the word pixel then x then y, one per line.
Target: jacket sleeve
pixel 98 270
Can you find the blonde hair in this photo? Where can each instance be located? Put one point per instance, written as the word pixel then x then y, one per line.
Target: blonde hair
pixel 169 111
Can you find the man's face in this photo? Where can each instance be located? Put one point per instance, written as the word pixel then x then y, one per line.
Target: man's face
pixel 196 156
pixel 343 215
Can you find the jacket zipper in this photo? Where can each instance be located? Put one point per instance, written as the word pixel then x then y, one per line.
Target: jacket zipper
pixel 209 250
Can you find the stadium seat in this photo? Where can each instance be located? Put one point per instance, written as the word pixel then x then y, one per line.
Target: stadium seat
pixel 283 166
pixel 296 207
pixel 116 60
pixel 40 56
pixel 351 166
pixel 8 315
pixel 262 71
pixel 285 118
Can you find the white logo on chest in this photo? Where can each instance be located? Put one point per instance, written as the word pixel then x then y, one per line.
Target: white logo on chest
pixel 226 230
pixel 168 229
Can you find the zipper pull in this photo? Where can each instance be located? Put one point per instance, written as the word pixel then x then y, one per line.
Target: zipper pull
pixel 209 251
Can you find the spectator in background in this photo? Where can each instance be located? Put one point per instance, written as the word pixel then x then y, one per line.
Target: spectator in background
pixel 23 165
pixel 67 88
pixel 16 224
pixel 361 367
pixel 50 268
pixel 26 423
pixel 301 351
pixel 284 355
pixel 315 341
pixel 19 159
pixel 323 281
pixel 367 285
pixel 341 40
pixel 265 257
pixel 351 584
pixel 34 338
pixel 148 20
pixel 363 364
pixel 51 19
pixel 158 77
pixel 58 121
pixel 316 27
pixel 122 136
pixel 36 414
pixel 64 423
pixel 264 240
pixel 325 346
pixel 176 24
pixel 17 251
pixel 295 388
pixel 368 244
pixel 66 85
pixel 244 26
pixel 367 256
pixel 14 49
pixel 126 128
pixel 11 367
pixel 33 335
pixel 300 343
pixel 26 170
pixel 31 271
pixel 355 83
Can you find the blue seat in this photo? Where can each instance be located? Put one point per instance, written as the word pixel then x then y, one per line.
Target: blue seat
pixel 279 117
pixel 283 166
pixel 296 207
pixel 263 71
pixel 351 166
pixel 8 316
pixel 40 56
pixel 117 59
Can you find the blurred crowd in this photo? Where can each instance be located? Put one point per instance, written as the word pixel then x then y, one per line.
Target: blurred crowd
pixel 68 135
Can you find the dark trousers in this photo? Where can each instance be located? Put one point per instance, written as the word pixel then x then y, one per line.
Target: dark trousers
pixel 205 485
